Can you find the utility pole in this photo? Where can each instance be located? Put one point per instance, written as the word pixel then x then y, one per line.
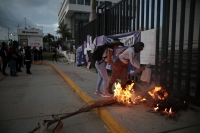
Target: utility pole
pixel 8 37
pixel 18 26
pixel 25 22
pixel 8 34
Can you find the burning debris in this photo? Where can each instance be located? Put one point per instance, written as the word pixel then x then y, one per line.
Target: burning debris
pixel 158 98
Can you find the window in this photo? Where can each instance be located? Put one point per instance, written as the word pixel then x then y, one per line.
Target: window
pixel 97 3
pixel 87 2
pixel 81 2
pixel 72 1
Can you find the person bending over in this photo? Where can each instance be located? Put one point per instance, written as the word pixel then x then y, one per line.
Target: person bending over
pixel 128 56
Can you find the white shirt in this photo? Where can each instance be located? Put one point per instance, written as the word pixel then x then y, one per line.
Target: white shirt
pixel 129 55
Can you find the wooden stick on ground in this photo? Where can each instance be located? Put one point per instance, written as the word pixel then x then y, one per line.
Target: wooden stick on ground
pixel 96 104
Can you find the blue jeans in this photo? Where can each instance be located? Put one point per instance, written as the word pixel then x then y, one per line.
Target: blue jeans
pixel 13 67
pixel 102 76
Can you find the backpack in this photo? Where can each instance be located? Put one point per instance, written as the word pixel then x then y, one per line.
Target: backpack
pixel 98 52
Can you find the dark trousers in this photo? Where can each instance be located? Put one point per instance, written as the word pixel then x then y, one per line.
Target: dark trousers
pixel 28 66
pixel 40 57
pixel 19 65
pixel 54 57
pixel 4 62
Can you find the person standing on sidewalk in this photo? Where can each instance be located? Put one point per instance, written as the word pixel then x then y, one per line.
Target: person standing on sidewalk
pixel 101 68
pixel 28 60
pixel 40 54
pixel 4 57
pixel 54 54
pixel 13 59
pixel 128 56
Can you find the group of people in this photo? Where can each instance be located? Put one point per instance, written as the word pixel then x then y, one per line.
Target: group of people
pixel 37 54
pixel 16 58
pixel 119 65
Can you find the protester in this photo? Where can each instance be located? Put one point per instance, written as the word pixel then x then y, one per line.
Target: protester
pixel 128 56
pixel 54 54
pixel 35 53
pixel 13 56
pixel 28 60
pixel 101 68
pixel 40 57
pixel 4 57
pixel 20 60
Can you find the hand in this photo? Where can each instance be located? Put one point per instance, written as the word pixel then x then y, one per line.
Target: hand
pixel 142 68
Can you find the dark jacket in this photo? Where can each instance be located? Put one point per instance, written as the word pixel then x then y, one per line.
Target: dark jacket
pixel 28 55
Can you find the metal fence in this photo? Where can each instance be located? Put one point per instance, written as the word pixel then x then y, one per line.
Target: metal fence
pixel 177 36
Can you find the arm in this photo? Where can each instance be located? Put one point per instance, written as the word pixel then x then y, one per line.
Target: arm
pixel 132 60
pixel 109 58
pixel 120 51
pixel 135 60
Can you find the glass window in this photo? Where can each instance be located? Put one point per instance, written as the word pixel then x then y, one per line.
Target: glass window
pixel 72 1
pixel 97 3
pixel 81 2
pixel 87 2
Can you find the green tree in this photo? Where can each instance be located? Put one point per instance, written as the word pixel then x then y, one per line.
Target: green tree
pixel 48 38
pixel 64 31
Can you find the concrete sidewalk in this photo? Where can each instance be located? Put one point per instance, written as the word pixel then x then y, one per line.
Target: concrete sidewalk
pixel 121 119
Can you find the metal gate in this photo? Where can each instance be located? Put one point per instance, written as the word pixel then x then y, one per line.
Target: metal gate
pixel 177 25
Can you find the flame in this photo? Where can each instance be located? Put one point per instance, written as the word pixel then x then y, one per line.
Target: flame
pixel 155 95
pixel 123 96
pixel 156 108
pixel 140 98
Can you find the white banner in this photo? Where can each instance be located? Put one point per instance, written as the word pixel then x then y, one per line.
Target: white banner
pixel 148 54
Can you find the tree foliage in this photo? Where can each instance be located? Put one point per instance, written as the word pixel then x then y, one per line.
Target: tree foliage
pixel 64 31
pixel 48 38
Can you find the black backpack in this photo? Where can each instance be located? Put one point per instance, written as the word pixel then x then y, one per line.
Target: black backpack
pixel 98 52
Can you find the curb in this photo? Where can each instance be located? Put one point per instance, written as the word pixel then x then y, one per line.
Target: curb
pixel 113 125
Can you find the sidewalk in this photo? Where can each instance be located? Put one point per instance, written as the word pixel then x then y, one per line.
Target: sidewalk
pixel 28 99
pixel 121 119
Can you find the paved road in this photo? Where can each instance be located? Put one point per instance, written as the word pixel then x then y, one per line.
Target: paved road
pixel 29 99
pixel 37 96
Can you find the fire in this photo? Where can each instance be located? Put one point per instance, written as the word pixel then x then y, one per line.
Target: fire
pixel 156 108
pixel 123 96
pixel 158 93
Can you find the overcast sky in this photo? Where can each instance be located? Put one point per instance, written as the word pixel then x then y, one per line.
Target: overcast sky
pixel 39 14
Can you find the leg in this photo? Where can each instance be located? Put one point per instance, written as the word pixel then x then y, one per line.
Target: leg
pixel 99 81
pixel 4 66
pixel 114 75
pixel 123 76
pixel 103 73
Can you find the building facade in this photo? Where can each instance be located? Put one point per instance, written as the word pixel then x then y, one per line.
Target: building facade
pixel 73 11
pixel 29 37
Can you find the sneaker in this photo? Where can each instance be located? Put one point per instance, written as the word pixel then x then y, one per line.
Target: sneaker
pixel 106 95
pixel 97 93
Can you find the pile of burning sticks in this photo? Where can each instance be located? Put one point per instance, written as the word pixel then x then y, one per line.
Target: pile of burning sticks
pixel 158 98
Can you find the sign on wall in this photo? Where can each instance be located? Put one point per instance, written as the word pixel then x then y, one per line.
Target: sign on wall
pixel 35 42
pixel 29 32
pixel 148 54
